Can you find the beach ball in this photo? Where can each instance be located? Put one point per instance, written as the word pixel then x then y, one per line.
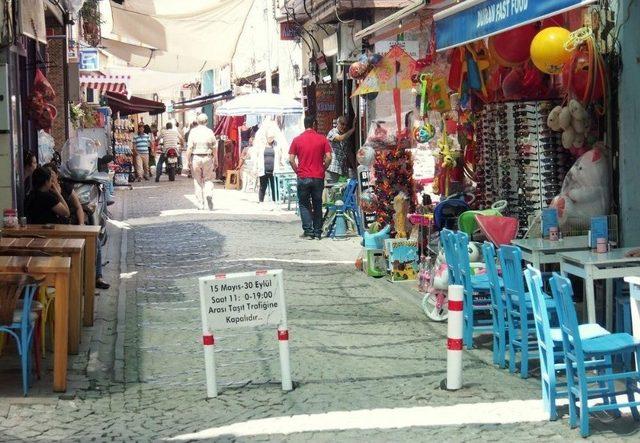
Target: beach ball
pixel 358 70
pixel 511 48
pixel 374 59
pixel 424 132
pixel 547 50
pixel 366 155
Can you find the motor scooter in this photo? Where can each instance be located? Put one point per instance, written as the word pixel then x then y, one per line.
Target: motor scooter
pixel 171 160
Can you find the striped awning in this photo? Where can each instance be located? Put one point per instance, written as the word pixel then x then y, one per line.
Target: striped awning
pixel 106 83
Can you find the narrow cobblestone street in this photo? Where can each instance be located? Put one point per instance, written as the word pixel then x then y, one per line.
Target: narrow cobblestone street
pixel 361 348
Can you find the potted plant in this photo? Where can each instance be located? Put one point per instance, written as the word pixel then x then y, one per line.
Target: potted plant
pixel 91 20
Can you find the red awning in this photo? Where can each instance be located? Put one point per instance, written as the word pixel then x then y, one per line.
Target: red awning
pixel 134 105
pixel 106 83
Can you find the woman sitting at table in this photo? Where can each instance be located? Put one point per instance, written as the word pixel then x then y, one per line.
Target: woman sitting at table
pixel 45 204
pixel 69 195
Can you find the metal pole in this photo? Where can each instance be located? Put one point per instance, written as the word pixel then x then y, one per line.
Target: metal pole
pixel 267 71
pixel 454 337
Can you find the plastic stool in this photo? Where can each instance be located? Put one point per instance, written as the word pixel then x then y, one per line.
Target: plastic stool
pixel 233 179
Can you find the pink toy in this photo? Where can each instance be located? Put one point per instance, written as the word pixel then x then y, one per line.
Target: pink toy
pixel 585 190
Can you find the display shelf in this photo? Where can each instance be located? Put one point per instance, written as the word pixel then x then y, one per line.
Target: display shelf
pixel 123 152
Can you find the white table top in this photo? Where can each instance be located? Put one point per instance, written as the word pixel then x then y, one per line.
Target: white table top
pixel 615 256
pixel 566 244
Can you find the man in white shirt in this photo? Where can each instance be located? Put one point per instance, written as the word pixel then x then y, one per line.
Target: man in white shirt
pixel 169 138
pixel 202 155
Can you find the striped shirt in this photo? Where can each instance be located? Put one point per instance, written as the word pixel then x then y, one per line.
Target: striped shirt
pixel 142 143
pixel 170 139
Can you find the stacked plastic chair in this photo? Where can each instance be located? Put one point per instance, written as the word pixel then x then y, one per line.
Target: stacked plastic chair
pixel 499 319
pixel 578 352
pixel 550 347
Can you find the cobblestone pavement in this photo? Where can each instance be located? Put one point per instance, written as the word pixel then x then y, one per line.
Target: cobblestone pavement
pixel 361 348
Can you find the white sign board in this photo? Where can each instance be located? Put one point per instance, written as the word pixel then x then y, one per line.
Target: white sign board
pixel 412 47
pixel 245 299
pixel 242 300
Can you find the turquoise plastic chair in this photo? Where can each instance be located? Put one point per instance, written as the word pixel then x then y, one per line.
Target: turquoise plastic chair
pixel 577 352
pixel 447 238
pixel 520 325
pixel 476 295
pixel 497 306
pixel 550 344
pixel 19 322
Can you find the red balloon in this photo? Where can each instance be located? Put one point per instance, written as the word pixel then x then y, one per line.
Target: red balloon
pixel 513 46
pixel 512 85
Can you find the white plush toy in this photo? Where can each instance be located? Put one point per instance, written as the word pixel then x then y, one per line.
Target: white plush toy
pixel 586 189
pixel 573 122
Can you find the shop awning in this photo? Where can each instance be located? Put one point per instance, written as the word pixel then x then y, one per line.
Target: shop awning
pixel 476 19
pixel 134 105
pixel 106 83
pixel 203 100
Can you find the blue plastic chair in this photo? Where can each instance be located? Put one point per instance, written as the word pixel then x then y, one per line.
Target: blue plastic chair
pixel 19 323
pixel 550 344
pixel 476 294
pixel 497 306
pixel 520 323
pixel 447 238
pixel 577 352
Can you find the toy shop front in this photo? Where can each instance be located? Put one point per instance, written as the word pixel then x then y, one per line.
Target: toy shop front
pixel 510 101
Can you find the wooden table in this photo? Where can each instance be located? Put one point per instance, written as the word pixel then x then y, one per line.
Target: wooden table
pixel 56 271
pixel 90 236
pixel 592 266
pixel 70 247
pixel 539 251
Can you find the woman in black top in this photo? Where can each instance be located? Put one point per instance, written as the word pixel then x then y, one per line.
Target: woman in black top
pixel 45 204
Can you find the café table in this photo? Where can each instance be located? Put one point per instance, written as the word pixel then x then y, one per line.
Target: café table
pixel 90 235
pixel 70 247
pixel 540 251
pixel 592 266
pixel 56 272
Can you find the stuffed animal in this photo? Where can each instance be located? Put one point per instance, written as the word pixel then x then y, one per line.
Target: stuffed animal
pixel 573 122
pixel 585 190
pixel 401 208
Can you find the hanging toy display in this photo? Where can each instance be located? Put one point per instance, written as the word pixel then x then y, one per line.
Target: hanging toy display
pixel 358 70
pixel 573 121
pixel 549 51
pixel 366 155
pixel 511 48
pixel 585 75
pixel 446 160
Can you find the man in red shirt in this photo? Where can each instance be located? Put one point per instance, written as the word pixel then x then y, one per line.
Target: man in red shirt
pixel 310 156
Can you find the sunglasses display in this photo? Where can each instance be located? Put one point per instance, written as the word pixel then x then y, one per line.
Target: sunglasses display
pixel 520 159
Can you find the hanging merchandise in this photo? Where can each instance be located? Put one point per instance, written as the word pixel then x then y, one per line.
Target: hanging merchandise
pixel 585 75
pixel 39 103
pixel 585 191
pixel 511 48
pixel 447 167
pixel 573 122
pixel 549 51
pixel 519 159
pixel 123 131
pixel 394 72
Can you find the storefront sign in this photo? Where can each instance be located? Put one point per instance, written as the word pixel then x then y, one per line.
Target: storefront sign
pixel 364 184
pixel 412 47
pixel 289 31
pixel 325 106
pixel 245 299
pixel 89 59
pixel 476 19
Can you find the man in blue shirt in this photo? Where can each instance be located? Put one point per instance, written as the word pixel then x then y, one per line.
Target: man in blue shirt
pixel 141 146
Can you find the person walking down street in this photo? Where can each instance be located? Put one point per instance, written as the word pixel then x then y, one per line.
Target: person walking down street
pixel 310 156
pixel 268 160
pixel 340 145
pixel 202 156
pixel 186 142
pixel 169 138
pixel 142 145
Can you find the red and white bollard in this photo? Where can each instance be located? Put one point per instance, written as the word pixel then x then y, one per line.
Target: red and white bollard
pixel 210 364
pixel 454 338
pixel 285 363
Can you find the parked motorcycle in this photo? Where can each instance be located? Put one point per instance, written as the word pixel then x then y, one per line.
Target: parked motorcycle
pixel 79 167
pixel 172 163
